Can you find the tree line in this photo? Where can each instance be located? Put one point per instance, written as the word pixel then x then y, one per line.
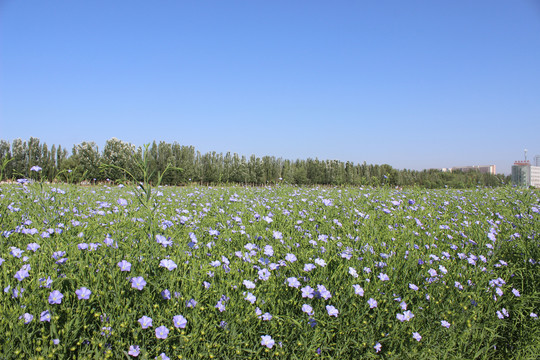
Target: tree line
pixel 85 163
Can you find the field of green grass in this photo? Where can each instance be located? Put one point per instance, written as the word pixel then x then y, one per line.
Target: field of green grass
pixel 272 272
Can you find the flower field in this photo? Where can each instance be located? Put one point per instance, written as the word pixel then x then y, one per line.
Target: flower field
pixel 275 272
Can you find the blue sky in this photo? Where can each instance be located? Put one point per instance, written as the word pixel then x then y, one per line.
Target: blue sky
pixel 414 84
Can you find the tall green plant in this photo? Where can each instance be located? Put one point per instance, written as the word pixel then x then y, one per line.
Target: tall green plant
pixel 5 162
pixel 144 190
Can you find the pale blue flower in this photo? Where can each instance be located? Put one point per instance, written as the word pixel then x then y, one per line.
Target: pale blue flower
pixel 251 298
pixel 290 258
pixel 83 293
pixel 27 318
pixel 55 297
pixel 332 311
pixel 307 292
pixel 308 309
pixel 358 290
pixel 445 323
pixel 383 277
pixel 162 332
pixel 168 264
pixel 413 287
pixel 22 274
pixel 266 340
pixel 320 262
pixel 45 316
pixel 264 274
pixel 33 247
pixel 179 321
pixel 124 265
pixel 293 282
pixel 145 322
pixel 138 283
pixel 134 350
pixel 309 267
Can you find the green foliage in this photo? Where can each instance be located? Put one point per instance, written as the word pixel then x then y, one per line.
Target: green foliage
pixel 215 168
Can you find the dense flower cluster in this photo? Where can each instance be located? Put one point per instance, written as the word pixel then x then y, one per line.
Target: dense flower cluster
pixel 262 269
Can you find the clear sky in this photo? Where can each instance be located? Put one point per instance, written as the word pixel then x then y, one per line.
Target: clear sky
pixel 414 84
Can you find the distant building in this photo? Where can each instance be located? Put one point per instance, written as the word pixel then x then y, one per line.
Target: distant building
pixel 524 174
pixel 537 160
pixel 484 169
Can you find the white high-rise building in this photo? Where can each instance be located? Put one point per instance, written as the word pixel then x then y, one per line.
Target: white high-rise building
pixel 525 174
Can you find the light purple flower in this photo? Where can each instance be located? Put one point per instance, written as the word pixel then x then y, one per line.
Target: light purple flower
pixel 45 282
pixel 516 292
pixel 290 258
pixel 27 318
pixel 406 316
pixel 309 267
pixel 266 340
pixel 383 277
pixel 122 202
pixel 320 262
pixel 308 309
pixel 138 283
pixel 372 303
pixel 124 265
pixel 445 323
pixel 307 291
pixel 416 336
pixel 179 321
pixel 162 356
pixel 45 316
pixel 413 287
pixel 264 274
pixel 33 247
pixel 16 252
pixel 134 350
pixel 251 298
pixel 145 322
pixel 249 284
pixel 220 306
pixel 163 240
pixel 168 264
pixel 22 274
pixel 358 290
pixel 293 282
pixel 166 294
pixel 162 332
pixel 332 311
pixel 324 292
pixel 377 347
pixel 55 297
pixel 83 293
pixel 35 168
